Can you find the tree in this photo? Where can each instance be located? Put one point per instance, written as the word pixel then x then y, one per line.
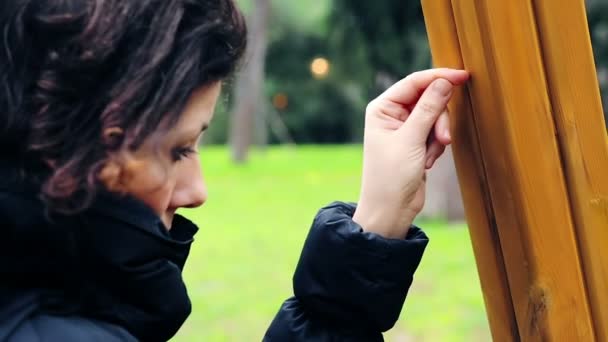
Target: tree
pixel 249 83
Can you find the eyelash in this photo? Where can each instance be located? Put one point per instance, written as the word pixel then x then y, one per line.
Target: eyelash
pixel 182 152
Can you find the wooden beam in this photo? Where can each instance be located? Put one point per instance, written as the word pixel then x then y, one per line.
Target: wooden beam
pixel 514 122
pixel 443 39
pixel 577 109
pixel 500 46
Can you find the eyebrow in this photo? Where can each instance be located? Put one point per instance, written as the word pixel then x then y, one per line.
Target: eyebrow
pixel 192 134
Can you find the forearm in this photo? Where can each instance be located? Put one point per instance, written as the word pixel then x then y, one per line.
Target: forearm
pixel 349 281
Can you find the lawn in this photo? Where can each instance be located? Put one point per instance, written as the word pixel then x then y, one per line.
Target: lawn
pixel 252 229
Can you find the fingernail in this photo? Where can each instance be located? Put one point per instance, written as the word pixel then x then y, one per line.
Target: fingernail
pixel 443 87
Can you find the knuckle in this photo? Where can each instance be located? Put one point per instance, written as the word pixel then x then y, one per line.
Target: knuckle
pixel 371 106
pixel 413 75
pixel 428 108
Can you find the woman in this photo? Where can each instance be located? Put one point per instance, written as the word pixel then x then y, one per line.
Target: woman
pixel 102 106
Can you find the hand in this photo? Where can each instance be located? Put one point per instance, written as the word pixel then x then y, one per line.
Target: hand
pixel 406 130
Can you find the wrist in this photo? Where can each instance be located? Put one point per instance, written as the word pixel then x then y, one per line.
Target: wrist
pixel 388 225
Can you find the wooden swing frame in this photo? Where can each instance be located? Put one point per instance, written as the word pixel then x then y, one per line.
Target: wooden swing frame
pixel 531 153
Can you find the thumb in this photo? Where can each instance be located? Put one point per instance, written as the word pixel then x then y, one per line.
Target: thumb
pixel 431 104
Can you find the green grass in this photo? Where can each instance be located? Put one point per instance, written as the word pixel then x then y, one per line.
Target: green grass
pixel 252 230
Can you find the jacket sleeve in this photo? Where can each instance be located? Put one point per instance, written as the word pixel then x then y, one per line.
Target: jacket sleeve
pixel 349 285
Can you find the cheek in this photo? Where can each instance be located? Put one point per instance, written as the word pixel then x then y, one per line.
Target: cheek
pixel 152 184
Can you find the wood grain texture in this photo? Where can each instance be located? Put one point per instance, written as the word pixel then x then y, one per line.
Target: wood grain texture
pixel 500 47
pixel 443 39
pixel 577 109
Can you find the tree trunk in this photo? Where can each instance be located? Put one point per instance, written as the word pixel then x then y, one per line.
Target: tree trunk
pixel 443 197
pixel 249 84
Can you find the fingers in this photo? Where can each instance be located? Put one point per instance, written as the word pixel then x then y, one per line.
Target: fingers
pixel 433 153
pixel 438 140
pixel 408 90
pixel 442 128
pixel 431 105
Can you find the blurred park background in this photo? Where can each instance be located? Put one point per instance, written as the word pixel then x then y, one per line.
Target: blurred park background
pixel 286 140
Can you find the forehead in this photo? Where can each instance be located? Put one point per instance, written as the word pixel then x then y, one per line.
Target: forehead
pixel 199 108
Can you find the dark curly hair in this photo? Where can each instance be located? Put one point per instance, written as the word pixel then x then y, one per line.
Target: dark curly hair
pixel 81 79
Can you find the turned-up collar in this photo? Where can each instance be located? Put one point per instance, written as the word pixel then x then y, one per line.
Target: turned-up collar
pixel 123 208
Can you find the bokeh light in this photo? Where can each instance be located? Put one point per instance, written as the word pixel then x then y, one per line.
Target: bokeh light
pixel 320 67
pixel 280 101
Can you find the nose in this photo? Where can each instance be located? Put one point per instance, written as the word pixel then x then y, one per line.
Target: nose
pixel 190 190
pixel 196 193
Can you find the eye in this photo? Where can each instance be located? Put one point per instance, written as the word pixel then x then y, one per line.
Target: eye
pixel 182 152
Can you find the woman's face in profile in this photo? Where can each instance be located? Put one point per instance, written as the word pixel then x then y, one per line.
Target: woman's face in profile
pixel 172 178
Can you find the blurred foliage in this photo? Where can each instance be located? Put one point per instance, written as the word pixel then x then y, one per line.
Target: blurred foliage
pixel 317 109
pixel 368 45
pixel 598 27
pixel 378 42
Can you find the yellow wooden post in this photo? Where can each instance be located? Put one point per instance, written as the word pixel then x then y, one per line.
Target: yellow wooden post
pixel 529 130
pixel 471 175
pixel 578 113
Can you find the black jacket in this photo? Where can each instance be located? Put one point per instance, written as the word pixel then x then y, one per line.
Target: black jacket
pixel 113 273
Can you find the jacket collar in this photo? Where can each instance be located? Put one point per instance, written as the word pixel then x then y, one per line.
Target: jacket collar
pixel 122 208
